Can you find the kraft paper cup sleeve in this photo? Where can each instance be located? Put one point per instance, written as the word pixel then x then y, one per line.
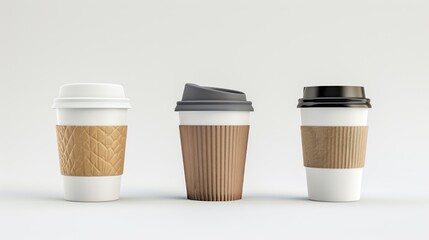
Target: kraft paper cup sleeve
pixel 91 150
pixel 334 147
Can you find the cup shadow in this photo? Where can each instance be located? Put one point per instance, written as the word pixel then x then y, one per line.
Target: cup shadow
pixel 151 198
pixel 164 198
pixel 280 197
pixel 30 195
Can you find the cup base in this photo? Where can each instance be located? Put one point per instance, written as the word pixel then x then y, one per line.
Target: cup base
pixel 334 185
pixel 91 189
pixel 215 199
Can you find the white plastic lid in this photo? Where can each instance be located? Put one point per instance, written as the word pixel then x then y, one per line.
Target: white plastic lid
pixel 91 95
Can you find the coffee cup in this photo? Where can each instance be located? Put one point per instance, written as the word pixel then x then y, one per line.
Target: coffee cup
pixel 91 136
pixel 334 134
pixel 214 129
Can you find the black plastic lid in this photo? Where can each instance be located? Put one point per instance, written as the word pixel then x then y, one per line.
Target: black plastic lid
pixel 334 96
pixel 198 98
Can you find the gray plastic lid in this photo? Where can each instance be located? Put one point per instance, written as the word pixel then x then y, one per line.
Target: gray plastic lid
pixel 199 98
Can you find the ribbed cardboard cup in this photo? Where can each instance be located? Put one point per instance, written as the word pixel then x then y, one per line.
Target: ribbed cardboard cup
pixel 214 157
pixel 214 134
pixel 91 136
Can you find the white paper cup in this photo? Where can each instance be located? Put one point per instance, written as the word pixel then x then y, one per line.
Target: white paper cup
pixel 333 130
pixel 91 104
pixel 334 184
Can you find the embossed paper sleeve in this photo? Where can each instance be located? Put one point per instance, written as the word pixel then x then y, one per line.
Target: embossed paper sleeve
pixel 214 158
pixel 91 150
pixel 334 147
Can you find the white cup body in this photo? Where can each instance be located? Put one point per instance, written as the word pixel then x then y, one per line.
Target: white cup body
pixel 92 116
pixel 91 188
pixel 106 106
pixel 333 184
pixel 334 116
pixel 214 118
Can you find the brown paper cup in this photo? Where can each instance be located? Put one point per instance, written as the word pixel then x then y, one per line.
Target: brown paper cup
pixel 91 150
pixel 214 159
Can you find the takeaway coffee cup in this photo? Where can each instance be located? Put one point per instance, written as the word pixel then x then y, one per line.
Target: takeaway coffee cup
pixel 91 136
pixel 214 128
pixel 334 135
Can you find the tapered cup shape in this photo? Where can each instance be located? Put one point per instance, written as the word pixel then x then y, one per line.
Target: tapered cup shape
pixel 334 137
pixel 214 130
pixel 91 136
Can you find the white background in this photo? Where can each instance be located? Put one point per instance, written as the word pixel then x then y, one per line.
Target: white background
pixel 268 49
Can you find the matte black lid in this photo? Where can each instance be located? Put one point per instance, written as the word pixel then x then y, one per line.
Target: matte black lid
pixel 334 96
pixel 198 98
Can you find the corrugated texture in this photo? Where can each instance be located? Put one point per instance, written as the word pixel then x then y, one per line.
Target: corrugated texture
pixel 91 150
pixel 214 158
pixel 334 147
